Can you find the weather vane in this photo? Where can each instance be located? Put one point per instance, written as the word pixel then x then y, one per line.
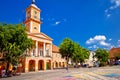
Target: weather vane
pixel 33 1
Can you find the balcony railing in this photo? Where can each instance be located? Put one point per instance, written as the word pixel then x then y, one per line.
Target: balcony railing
pixel 48 55
pixel 29 55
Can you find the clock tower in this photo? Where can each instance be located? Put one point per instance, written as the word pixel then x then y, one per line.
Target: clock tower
pixel 32 22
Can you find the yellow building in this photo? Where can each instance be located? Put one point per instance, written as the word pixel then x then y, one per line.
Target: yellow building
pixel 39 58
pixel 44 55
pixel 58 61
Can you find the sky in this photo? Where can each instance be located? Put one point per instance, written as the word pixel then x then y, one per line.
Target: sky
pixel 92 23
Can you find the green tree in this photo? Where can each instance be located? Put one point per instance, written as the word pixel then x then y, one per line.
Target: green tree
pixel 66 49
pixel 13 42
pixel 79 54
pixel 86 53
pixel 102 56
pixel 117 57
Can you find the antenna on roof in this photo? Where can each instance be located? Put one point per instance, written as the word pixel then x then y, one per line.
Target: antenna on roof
pixel 33 1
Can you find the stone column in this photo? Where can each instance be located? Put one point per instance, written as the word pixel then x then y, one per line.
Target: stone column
pixel 26 66
pixel 51 50
pixel 54 64
pixel 44 48
pixel 51 65
pixel 44 65
pixel 36 50
pixel 65 63
pixel 36 65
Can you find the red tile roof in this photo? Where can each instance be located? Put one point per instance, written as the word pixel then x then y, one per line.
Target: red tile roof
pixel 114 52
pixel 55 48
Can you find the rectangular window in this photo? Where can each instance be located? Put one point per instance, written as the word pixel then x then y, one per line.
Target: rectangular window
pixel 47 52
pixel 28 14
pixel 41 52
pixel 33 52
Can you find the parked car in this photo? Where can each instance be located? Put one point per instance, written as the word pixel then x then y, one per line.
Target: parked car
pixel 117 63
pixel 96 64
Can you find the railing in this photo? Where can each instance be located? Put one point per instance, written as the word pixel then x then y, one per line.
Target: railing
pixel 47 56
pixel 28 55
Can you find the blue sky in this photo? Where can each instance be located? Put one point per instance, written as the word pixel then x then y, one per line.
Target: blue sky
pixel 91 23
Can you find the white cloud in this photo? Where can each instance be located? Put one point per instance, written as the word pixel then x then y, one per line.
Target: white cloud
pixel 118 40
pixel 94 46
pixel 112 46
pixel 60 21
pixel 99 41
pixel 90 47
pixel 118 43
pixel 100 37
pixel 110 39
pixel 108 15
pixel 90 41
pixel 114 4
pixel 103 43
pixel 97 38
pixel 106 10
pixel 57 22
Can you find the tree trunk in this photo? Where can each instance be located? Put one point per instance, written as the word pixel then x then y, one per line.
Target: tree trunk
pixel 67 63
pixel 7 67
pixel 76 64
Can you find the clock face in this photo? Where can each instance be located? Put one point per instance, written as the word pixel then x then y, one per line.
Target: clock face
pixel 35 12
pixel 35 27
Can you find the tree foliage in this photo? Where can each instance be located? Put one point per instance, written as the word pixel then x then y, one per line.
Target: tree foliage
pixel 73 50
pixel 79 54
pixel 66 49
pixel 117 57
pixel 102 55
pixel 13 42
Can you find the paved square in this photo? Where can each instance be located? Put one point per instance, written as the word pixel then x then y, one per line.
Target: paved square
pixel 102 73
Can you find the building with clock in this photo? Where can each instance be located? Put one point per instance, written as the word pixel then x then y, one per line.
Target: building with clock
pixel 44 55
pixel 40 57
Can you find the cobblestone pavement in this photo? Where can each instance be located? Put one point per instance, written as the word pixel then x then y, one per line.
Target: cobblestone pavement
pixel 102 73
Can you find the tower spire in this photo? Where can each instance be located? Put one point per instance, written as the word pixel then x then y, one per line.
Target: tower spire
pixel 33 1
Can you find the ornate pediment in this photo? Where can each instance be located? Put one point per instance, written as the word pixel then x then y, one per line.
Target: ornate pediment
pixel 40 35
